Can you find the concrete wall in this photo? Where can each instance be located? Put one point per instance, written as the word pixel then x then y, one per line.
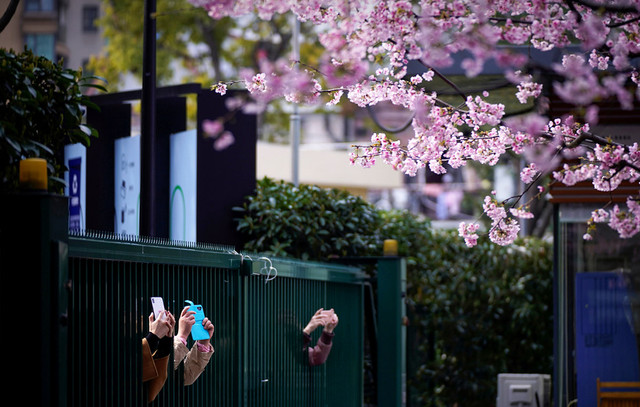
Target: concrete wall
pixel 324 166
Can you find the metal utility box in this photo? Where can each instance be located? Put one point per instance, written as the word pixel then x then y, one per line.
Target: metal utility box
pixel 523 390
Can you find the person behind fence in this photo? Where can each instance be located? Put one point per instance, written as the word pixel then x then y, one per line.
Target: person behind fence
pixel 156 348
pixel 328 319
pixel 196 358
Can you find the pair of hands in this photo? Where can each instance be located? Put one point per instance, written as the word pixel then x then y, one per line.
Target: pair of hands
pixel 326 318
pixel 165 325
pixel 187 320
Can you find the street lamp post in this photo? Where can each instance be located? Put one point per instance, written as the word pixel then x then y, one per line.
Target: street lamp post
pixel 147 214
pixel 295 116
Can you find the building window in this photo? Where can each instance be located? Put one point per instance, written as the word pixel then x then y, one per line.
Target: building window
pixel 89 17
pixel 41 44
pixel 39 5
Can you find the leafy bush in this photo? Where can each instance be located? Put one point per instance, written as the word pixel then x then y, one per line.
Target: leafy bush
pixel 307 222
pixel 473 313
pixel 479 312
pixel 41 111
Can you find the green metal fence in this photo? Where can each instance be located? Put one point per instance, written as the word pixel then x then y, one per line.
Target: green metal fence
pixel 258 309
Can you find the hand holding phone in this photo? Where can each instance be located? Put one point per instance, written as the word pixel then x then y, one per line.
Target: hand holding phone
pixel 158 308
pixel 198 331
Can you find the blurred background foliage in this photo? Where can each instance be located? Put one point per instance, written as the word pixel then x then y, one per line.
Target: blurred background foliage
pixel 472 312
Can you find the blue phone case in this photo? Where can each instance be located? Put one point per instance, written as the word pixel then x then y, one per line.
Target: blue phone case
pixel 197 330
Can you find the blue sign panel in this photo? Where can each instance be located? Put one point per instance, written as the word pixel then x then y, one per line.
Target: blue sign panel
pixel 605 339
pixel 75 171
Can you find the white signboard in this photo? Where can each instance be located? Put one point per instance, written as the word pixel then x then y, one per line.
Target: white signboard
pixel 182 186
pixel 127 185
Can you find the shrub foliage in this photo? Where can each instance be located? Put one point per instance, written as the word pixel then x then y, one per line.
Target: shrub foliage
pixel 307 222
pixel 41 111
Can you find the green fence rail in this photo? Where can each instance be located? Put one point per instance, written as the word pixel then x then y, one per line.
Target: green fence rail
pixel 258 306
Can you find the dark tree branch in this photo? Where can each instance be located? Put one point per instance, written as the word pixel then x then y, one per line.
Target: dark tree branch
pixel 608 6
pixel 516 21
pixel 625 164
pixel 8 14
pixel 624 22
pixel 586 136
pixel 572 7
pixel 446 80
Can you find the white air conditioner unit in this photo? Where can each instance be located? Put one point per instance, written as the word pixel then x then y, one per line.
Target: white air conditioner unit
pixel 523 390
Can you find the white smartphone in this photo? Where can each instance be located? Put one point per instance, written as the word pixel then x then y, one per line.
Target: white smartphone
pixel 158 306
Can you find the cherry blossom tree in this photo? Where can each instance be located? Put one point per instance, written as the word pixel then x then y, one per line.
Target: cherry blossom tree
pixel 368 46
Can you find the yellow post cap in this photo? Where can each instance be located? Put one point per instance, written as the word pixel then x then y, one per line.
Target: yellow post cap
pixel 33 173
pixel 390 247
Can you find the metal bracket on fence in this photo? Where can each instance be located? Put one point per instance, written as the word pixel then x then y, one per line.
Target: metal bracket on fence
pixel 246 266
pixel 268 269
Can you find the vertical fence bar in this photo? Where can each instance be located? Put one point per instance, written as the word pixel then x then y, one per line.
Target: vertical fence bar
pixel 391 350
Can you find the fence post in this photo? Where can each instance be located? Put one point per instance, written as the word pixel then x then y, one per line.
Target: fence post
pixel 392 276
pixel 33 250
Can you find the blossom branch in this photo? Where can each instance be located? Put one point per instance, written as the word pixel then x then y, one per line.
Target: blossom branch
pixel 608 6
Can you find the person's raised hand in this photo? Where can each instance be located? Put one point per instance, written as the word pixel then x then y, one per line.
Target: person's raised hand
pixel 162 326
pixel 332 321
pixel 316 320
pixel 172 323
pixel 186 321
pixel 208 326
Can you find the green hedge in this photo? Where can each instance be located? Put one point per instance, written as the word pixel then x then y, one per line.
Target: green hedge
pixel 307 222
pixel 42 111
pixel 473 312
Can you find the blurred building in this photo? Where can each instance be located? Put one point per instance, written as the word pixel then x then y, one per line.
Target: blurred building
pixel 55 29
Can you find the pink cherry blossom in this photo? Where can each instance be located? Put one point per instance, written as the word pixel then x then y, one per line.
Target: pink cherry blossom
pixel 468 232
pixel 220 88
pixel 528 173
pixel 368 47
pixel 521 213
pixel 504 232
pixel 528 90
pixel 625 222
pixel 212 128
pixel 225 140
